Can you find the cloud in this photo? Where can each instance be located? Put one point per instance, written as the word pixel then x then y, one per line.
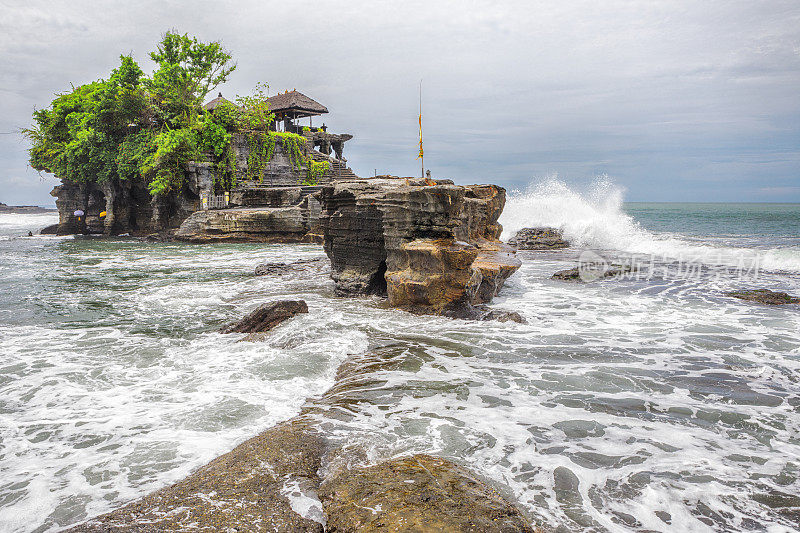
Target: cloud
pixel 647 92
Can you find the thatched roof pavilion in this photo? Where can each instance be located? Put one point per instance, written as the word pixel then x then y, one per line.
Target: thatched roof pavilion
pixel 294 104
pixel 212 105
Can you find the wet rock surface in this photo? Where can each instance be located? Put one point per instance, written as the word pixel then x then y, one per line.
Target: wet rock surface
pixel 501 315
pixel 764 296
pixel 429 246
pixel 243 490
pixel 538 239
pixel 418 493
pixel 267 317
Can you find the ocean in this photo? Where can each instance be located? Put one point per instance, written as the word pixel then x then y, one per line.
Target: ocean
pixel 648 403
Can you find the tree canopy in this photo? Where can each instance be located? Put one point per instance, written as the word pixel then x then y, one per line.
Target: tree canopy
pixel 136 126
pixel 131 125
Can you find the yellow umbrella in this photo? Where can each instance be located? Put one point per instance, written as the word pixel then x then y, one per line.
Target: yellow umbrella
pixel 103 213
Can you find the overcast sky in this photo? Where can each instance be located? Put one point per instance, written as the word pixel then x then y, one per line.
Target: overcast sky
pixel 674 100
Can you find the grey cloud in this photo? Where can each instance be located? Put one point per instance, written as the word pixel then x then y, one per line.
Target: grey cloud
pixel 652 93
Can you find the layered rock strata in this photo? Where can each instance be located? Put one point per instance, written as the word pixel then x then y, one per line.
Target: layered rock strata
pixel 266 214
pixel 431 248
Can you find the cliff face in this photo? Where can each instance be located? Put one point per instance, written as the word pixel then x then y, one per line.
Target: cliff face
pixel 128 205
pixel 429 248
pixel 131 209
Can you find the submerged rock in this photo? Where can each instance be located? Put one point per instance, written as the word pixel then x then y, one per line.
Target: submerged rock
pixel 538 239
pixel 764 296
pixel 427 247
pixel 484 313
pixel 267 317
pixel 419 493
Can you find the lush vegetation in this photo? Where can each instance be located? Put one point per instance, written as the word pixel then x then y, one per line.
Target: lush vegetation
pixel 132 125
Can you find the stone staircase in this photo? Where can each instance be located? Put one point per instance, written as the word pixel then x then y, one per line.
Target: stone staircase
pixel 337 169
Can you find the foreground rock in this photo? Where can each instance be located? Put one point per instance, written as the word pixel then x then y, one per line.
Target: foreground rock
pixel 419 493
pixel 428 248
pixel 267 317
pixel 271 482
pixel 764 296
pixel 291 478
pixel 246 489
pixel 538 239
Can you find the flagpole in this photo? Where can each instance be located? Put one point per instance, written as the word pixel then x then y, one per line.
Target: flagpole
pixel 422 154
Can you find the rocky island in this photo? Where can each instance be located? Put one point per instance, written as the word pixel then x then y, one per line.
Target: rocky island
pixel 24 209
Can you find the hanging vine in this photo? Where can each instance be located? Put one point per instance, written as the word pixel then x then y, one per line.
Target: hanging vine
pixel 262 150
pixel 316 169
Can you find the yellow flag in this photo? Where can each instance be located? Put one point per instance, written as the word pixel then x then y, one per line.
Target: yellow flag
pixel 420 136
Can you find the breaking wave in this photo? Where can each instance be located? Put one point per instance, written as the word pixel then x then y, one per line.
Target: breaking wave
pixel 596 219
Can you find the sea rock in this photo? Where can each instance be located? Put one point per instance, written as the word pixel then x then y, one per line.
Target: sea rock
pixel 764 296
pixel 52 229
pixel 501 315
pixel 495 263
pixel 282 215
pixel 538 239
pixel 267 316
pixel 244 490
pixel 279 268
pixel 428 246
pixel 484 313
pixel 590 272
pixel 420 493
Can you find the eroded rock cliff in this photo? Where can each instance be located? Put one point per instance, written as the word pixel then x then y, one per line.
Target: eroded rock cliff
pixel 431 247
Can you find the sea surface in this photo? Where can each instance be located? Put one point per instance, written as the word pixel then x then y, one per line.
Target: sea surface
pixel 649 403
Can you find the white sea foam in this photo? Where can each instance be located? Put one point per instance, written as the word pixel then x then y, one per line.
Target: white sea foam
pixel 596 219
pixel 661 397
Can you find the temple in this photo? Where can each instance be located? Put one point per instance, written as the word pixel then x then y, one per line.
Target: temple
pixel 130 208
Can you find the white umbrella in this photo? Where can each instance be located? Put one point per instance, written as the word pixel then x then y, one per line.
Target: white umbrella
pixel 78 213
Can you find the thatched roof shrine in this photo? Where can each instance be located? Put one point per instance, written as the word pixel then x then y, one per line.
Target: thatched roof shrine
pixel 294 104
pixel 212 105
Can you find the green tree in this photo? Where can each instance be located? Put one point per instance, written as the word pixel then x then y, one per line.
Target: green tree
pixel 187 71
pixel 254 113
